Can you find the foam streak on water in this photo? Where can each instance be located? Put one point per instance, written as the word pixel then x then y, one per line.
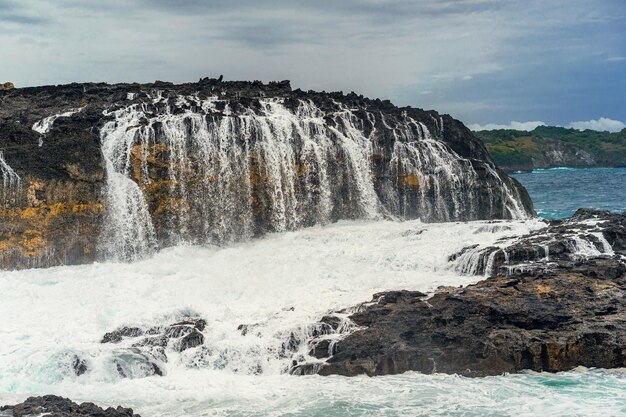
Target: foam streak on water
pixel 280 284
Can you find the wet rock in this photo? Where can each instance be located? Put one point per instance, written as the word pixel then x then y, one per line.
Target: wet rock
pixel 562 244
pixel 306 369
pixel 332 321
pixel 290 346
pixel 116 336
pixel 191 340
pixel 55 406
pixel 79 365
pixel 550 321
pixel 55 213
pixel 148 346
pixel 136 363
pixel 160 340
pixel 321 349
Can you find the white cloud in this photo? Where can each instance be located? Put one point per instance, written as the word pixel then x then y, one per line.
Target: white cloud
pixel 528 126
pixel 616 58
pixel 602 124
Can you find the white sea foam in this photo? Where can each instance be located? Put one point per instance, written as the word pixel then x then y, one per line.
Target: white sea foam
pixel 280 283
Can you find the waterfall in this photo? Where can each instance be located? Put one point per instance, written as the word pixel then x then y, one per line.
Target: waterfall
pixel 128 232
pixel 10 180
pixel 44 125
pixel 185 169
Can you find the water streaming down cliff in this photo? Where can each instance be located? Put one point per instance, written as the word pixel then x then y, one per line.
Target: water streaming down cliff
pixel 572 240
pixel 10 181
pixel 185 169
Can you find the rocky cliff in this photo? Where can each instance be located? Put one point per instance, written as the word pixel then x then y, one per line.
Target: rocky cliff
pixel 95 171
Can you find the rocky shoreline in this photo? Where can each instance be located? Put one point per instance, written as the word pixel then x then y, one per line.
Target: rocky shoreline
pixel 55 406
pixel 537 312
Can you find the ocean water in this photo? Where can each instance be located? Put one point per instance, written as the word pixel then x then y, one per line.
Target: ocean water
pixel 280 283
pixel 559 192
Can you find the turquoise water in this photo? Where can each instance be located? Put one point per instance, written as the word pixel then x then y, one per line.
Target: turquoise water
pixel 558 192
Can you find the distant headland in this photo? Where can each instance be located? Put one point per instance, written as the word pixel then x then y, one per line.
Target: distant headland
pixel 551 147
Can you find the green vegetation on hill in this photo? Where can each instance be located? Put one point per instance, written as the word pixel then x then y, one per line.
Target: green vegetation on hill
pixel 548 147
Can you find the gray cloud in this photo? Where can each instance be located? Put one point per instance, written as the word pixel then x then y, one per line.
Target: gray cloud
pixel 12 13
pixel 469 55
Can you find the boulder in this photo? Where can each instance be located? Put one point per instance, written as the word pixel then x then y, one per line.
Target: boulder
pixel 56 406
pixel 142 351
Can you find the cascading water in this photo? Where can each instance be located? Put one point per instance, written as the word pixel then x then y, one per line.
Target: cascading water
pixel 533 252
pixel 44 125
pixel 10 179
pixel 184 169
pixel 128 232
pixel 187 170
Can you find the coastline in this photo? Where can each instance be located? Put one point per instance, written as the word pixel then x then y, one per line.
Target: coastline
pixel 527 170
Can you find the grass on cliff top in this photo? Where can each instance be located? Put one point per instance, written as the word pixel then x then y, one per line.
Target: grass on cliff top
pixel 514 148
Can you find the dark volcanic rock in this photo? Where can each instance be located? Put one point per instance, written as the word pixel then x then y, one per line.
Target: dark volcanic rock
pixel 143 351
pixel 549 322
pixel 562 243
pixel 118 334
pixel 54 406
pixel 52 200
pixel 79 366
pixel 546 316
pixel 191 340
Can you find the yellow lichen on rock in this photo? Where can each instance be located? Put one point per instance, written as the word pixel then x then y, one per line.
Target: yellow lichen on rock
pixel 39 232
pixel 34 193
pixel 409 180
pixel 543 289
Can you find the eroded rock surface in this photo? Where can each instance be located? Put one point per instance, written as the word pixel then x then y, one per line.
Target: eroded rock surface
pixel 143 351
pixel 218 161
pixel 55 406
pixel 548 316
pixel 587 234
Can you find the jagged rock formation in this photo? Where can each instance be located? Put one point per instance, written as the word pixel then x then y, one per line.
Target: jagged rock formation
pixel 587 234
pixel 143 351
pixel 546 317
pixel 115 171
pixel 55 406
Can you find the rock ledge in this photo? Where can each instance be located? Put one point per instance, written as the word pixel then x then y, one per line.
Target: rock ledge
pixel 55 406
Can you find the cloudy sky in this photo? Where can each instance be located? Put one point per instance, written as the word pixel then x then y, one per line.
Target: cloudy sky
pixel 486 62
